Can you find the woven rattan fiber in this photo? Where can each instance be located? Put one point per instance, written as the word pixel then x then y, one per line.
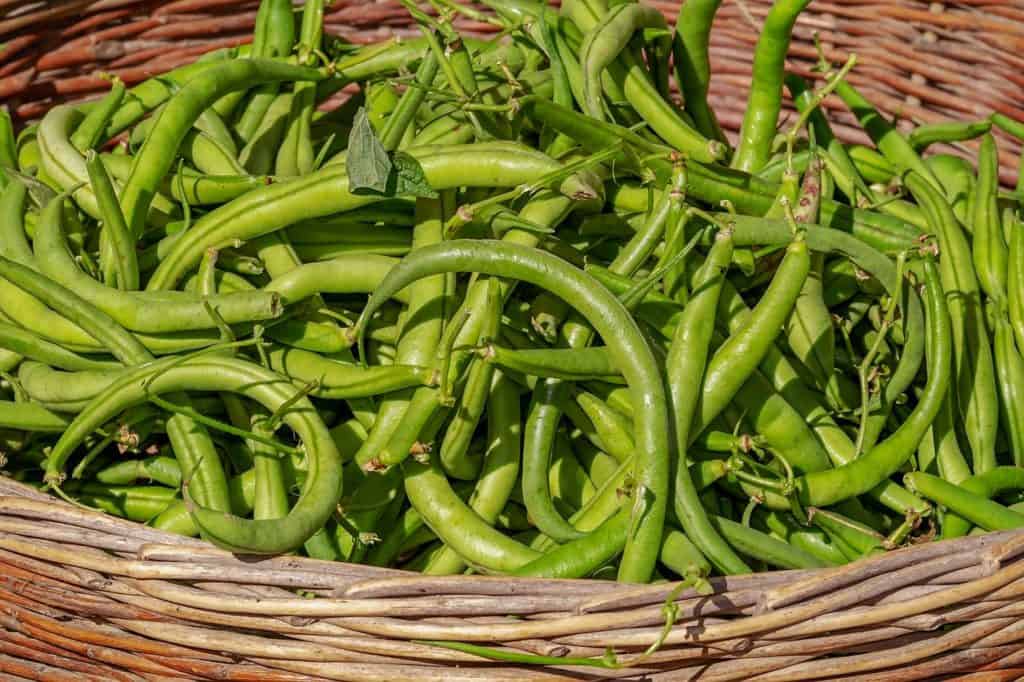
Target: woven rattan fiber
pixel 87 594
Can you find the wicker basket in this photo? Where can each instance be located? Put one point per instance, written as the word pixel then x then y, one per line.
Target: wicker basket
pixel 82 593
pixel 88 596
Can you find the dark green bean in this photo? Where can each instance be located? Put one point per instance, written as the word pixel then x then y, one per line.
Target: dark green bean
pixel 765 100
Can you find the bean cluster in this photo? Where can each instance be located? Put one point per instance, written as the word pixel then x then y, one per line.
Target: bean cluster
pixel 516 306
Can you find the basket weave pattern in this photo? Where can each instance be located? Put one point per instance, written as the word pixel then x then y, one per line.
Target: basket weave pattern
pixel 85 596
pixel 82 593
pixel 920 61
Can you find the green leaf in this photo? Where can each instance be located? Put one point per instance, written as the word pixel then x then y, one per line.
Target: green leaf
pixel 368 165
pixel 410 180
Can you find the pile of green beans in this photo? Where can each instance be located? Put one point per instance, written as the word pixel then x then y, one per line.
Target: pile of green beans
pixel 515 307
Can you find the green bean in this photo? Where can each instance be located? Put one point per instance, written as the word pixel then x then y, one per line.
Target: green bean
pixel 500 467
pixel 924 135
pixel 976 391
pixel 188 185
pixel 338 379
pixel 890 142
pixel 136 503
pixel 989 247
pixel 30 417
pixel 208 155
pixel 34 347
pixel 809 329
pixel 179 243
pixel 749 196
pixel 847 532
pixel 614 430
pixel 62 162
pixel 951 463
pixel 93 321
pixel 736 359
pixel 392 544
pixel 199 190
pixel 152 93
pixel 257 156
pixel 1008 125
pixel 156 156
pixel 428 406
pixel 629 74
pixel 464 532
pixel 30 312
pixel 121 249
pixel 382 241
pixel 976 508
pixel 992 483
pixel 600 466
pixel 1010 222
pixel 605 41
pixel 90 132
pixel 190 439
pixel 680 555
pixel 693 70
pixel 342 275
pixel 570 484
pixel 764 547
pixel 273 37
pixel 8 146
pixel 580 559
pixel 29 153
pixel 1010 378
pixel 63 391
pixel 586 428
pixel 956 175
pixel 785 196
pixel 1015 283
pixel 295 156
pixel 810 540
pixel 580 364
pixel 402 117
pixel 163 470
pixel 871 165
pixel 765 101
pixel 686 364
pixel 13 243
pixel 547 313
pixel 658 310
pixel 153 313
pixel 457 437
pixel 270 495
pixel 538 441
pixel 856 477
pixel 824 137
pixel 177 519
pixel 218 140
pixel 760 231
pixel 420 337
pixel 788 431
